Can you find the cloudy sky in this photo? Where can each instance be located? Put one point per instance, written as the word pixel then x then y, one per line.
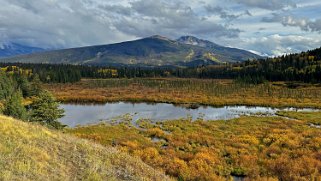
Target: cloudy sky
pixel 269 27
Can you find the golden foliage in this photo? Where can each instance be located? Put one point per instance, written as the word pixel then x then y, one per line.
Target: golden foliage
pixel 182 91
pixel 260 148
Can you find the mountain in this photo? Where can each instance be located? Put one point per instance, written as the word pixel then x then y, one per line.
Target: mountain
pixel 14 49
pixel 230 54
pixel 151 51
pixel 191 40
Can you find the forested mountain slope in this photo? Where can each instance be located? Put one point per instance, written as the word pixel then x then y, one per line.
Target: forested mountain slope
pixel 151 51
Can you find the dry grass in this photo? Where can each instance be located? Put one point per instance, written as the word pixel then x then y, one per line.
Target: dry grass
pixel 260 148
pixel 208 92
pixel 32 152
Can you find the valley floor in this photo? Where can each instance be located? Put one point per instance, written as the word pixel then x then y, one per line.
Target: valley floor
pixel 187 91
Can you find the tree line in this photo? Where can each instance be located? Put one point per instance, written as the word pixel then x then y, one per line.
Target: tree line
pixel 23 98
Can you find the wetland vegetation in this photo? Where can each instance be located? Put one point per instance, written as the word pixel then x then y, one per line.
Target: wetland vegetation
pixel 188 91
pixel 257 148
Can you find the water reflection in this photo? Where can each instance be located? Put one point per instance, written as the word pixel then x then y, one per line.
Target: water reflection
pixel 82 114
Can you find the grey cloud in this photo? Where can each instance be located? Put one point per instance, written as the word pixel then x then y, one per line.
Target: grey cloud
pixel 304 24
pixel 163 9
pixel 247 12
pixel 315 25
pixel 224 14
pixel 54 24
pixel 267 4
pixel 70 23
pixel 118 9
pixel 170 19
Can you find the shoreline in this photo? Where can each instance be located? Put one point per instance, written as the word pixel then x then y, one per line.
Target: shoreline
pixel 184 104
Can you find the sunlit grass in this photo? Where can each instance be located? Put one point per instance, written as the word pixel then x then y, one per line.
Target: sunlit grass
pixel 260 148
pixel 209 92
pixel 32 152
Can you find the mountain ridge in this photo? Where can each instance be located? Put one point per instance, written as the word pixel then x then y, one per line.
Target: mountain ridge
pixel 14 49
pixel 151 51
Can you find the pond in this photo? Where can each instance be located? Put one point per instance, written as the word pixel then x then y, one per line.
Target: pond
pixel 83 114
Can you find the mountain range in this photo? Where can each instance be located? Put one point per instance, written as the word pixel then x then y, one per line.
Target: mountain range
pixel 14 49
pixel 187 51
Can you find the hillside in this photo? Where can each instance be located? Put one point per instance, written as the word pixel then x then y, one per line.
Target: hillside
pixel 230 54
pixel 151 51
pixel 32 152
pixel 14 49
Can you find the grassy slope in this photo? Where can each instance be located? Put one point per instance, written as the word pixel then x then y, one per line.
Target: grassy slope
pixel 32 152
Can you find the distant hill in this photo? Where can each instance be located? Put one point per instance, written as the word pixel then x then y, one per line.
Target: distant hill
pixel 14 49
pixel 33 152
pixel 151 51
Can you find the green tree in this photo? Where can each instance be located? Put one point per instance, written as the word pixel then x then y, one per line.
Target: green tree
pixel 35 85
pixel 24 85
pixel 13 107
pixel 45 109
pixel 6 86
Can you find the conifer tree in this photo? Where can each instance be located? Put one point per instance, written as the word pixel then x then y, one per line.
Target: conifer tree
pixel 13 106
pixel 45 109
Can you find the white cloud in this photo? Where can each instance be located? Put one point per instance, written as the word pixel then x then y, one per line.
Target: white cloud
pixel 281 44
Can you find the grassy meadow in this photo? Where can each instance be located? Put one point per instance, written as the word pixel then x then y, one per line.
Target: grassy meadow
pixel 33 152
pixel 257 148
pixel 184 91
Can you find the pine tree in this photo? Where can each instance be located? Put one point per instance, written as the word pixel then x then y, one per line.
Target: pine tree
pixel 24 85
pixel 13 107
pixel 45 109
pixel 36 85
pixel 6 86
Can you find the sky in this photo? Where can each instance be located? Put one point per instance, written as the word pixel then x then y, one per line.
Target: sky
pixel 267 27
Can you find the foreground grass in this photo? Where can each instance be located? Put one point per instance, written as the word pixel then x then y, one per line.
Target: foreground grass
pixel 32 152
pixel 257 148
pixel 181 91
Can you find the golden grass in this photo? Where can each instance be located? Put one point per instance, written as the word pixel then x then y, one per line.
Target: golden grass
pixel 33 152
pixel 310 117
pixel 260 148
pixel 180 91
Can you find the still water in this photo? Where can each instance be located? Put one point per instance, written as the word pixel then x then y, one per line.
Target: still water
pixel 79 114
